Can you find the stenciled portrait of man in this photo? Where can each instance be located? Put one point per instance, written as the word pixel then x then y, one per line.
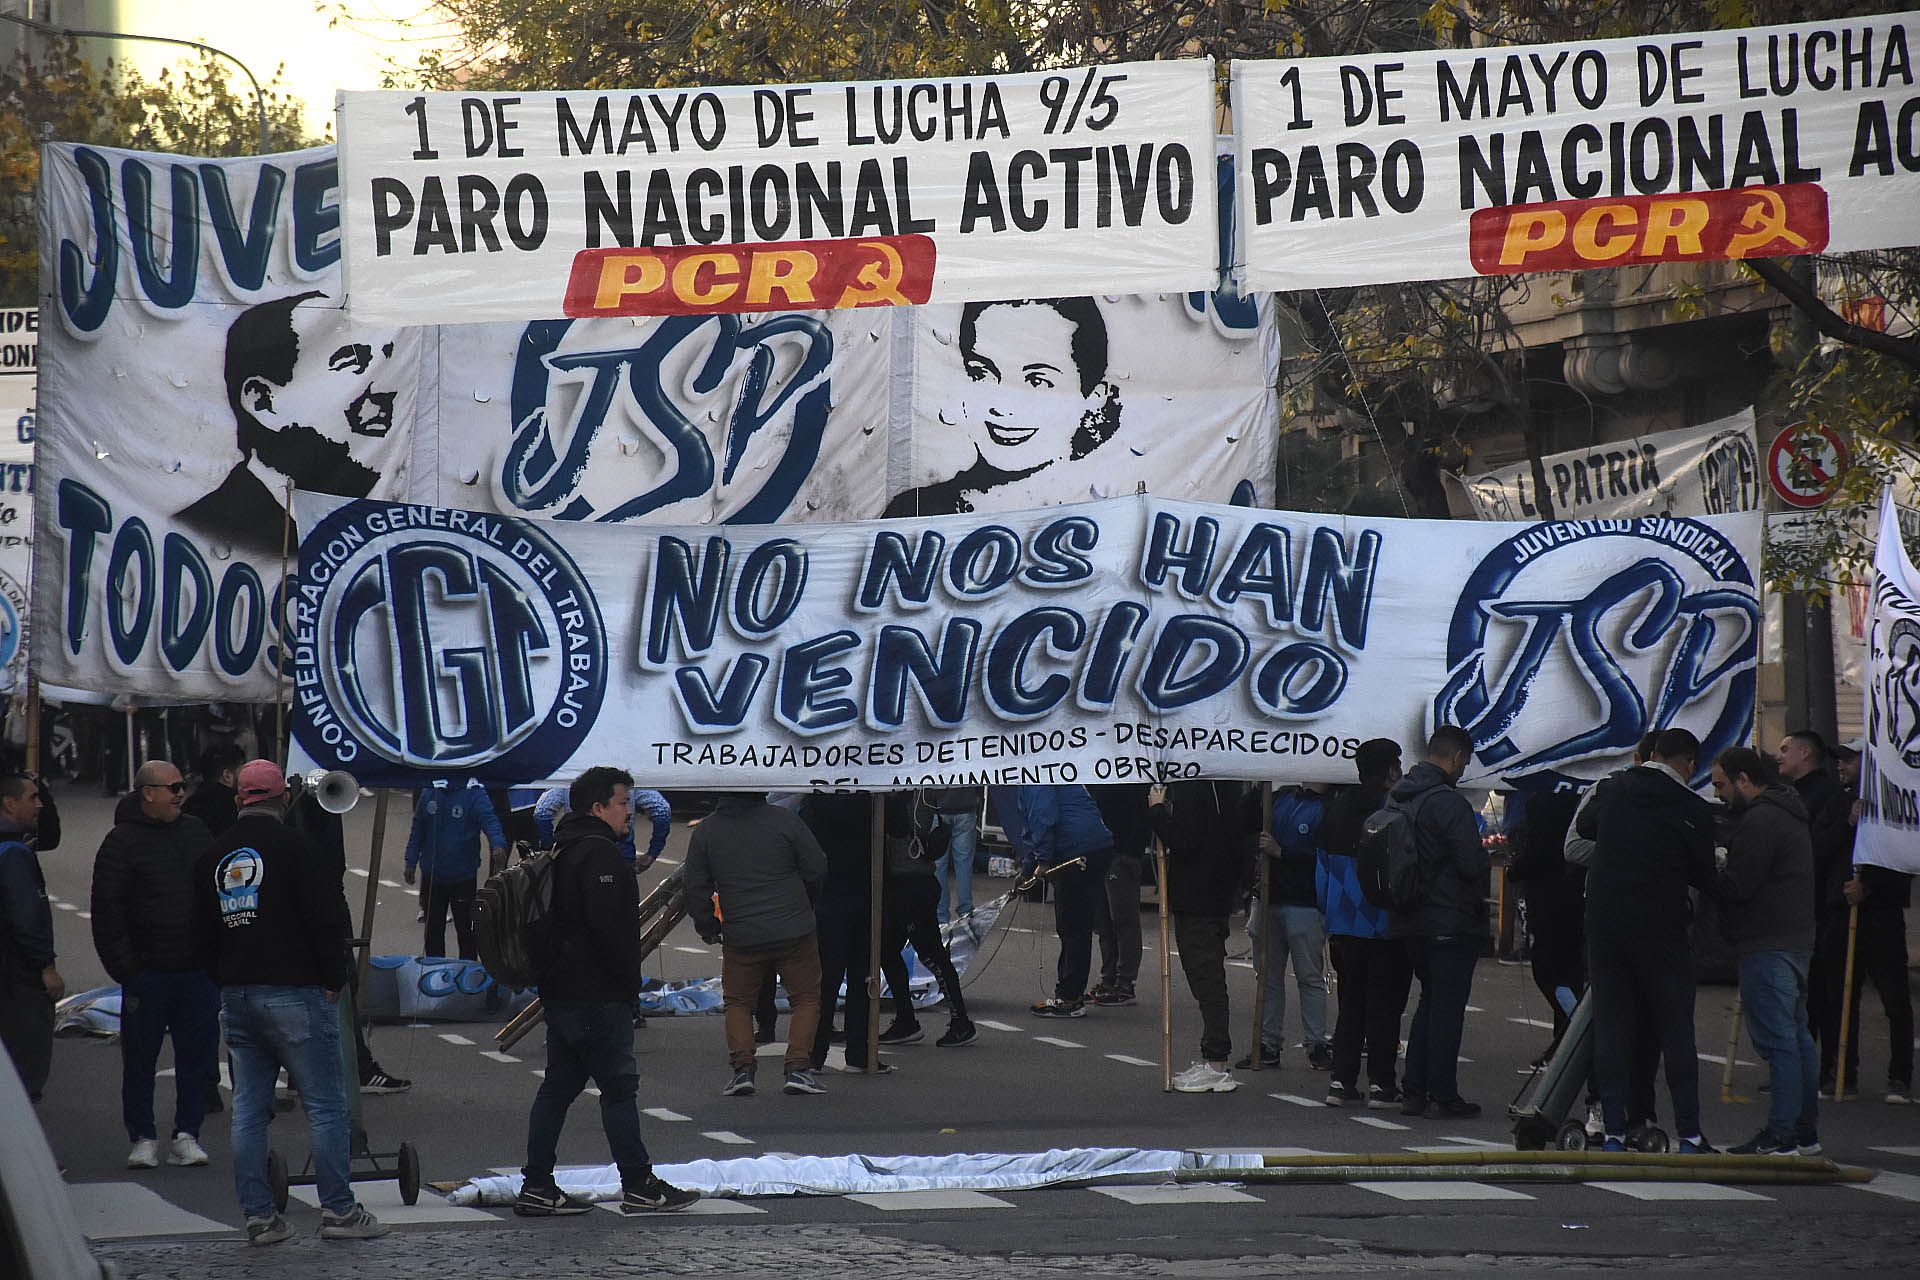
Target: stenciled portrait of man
pixel 1038 394
pixel 310 397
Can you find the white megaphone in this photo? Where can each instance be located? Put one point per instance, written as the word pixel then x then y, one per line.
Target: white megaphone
pixel 334 791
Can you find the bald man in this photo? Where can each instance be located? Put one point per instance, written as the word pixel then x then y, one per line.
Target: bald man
pixel 143 928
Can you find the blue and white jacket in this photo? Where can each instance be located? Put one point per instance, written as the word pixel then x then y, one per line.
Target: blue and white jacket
pixel 448 821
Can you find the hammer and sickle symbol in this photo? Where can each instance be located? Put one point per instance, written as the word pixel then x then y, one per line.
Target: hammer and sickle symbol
pixel 1762 222
pixel 877 282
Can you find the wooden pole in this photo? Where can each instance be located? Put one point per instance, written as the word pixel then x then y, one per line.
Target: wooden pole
pixel 1265 944
pixel 280 676
pixel 33 725
pixel 373 882
pixel 1166 972
pixel 1733 1044
pixel 876 852
pixel 1846 1006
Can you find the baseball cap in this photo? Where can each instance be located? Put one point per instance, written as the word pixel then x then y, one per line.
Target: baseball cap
pixel 261 780
pixel 1854 746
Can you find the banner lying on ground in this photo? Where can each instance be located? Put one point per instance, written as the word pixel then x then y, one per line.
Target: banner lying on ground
pixel 1129 639
pixel 487 206
pixel 197 361
pixel 1889 830
pixel 1708 470
pixel 1721 144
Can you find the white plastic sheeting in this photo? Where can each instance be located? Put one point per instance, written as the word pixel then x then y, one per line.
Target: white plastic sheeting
pixel 846 1175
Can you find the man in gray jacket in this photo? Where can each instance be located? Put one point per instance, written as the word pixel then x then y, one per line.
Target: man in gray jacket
pixel 752 870
pixel 1446 933
pixel 1765 889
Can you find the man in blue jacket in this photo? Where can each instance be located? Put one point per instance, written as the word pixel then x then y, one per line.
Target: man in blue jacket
pixel 29 983
pixel 1056 825
pixel 444 849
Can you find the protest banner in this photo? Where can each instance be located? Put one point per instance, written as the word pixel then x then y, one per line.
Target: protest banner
pixel 1129 639
pixel 182 394
pixel 489 206
pixel 1709 470
pixel 1761 142
pixel 1888 834
pixel 19 366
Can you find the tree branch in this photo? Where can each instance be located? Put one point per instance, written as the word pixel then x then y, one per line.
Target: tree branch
pixel 1829 321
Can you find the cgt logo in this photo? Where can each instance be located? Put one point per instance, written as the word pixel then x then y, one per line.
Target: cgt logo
pixel 1567 235
pixel 446 641
pixel 801 275
pixel 1668 636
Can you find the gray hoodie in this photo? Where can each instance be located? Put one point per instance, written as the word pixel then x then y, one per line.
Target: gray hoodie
pixel 1766 888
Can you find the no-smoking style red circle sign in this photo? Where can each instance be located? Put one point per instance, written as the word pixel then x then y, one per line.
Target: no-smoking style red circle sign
pixel 1805 464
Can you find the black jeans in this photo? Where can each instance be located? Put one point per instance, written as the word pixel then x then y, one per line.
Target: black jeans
pixel 590 1040
pixel 845 954
pixel 1076 907
pixel 911 915
pixel 26 1028
pixel 1203 956
pixel 1557 951
pixel 456 896
pixel 1118 926
pixel 1643 988
pixel 1375 976
pixel 1879 957
pixel 1445 969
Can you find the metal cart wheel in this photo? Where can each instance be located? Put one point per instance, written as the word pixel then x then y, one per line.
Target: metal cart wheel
pixel 1652 1141
pixel 409 1174
pixel 1571 1136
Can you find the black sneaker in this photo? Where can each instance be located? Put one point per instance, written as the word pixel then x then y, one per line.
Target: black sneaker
pixel 548 1202
pixel 1269 1056
pixel 1413 1103
pixel 1383 1097
pixel 380 1082
pixel 1764 1143
pixel 902 1033
pixel 1457 1109
pixel 655 1196
pixel 1055 1007
pixel 958 1034
pixel 1113 994
pixel 1341 1094
pixel 1320 1057
pixel 741 1086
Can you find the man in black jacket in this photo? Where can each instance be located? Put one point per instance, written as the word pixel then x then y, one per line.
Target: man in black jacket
pixel 273 923
pixel 1445 934
pixel 765 867
pixel 1653 840
pixel 843 824
pixel 216 800
pixel 143 927
pixel 1882 895
pixel 30 984
pixel 1209 830
pixel 587 992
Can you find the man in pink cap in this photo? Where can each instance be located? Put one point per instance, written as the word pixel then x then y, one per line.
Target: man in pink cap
pixel 275 922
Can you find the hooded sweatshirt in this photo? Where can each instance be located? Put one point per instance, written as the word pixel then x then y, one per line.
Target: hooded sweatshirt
pixel 1766 889
pixel 1448 840
pixel 270 907
pixel 765 866
pixel 1653 838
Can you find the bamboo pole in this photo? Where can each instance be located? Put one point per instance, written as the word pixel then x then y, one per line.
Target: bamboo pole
pixel 1166 971
pixel 1733 1043
pixel 876 852
pixel 1846 1006
pixel 373 883
pixel 280 675
pixel 1265 944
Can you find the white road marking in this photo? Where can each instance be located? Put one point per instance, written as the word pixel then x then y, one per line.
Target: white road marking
pixel 693 951
pixel 1677 1191
pixel 66 906
pixel 1193 1193
pixel 451 1038
pixel 391 884
pixel 1531 1022
pixel 86 915
pixel 1720 1061
pixel 1441 1191
pixel 383 1198
pixel 1375 1122
pixel 498 1056
pixel 1912 1152
pixel 359 871
pixel 727 1136
pixel 118 1210
pixel 1474 1008
pixel 707 1206
pixel 1056 1040
pixel 896 1201
pixel 1898 1186
pixel 991 1025
pixel 1297 1100
pixel 663 1113
pixel 1241 964
pixel 1131 1060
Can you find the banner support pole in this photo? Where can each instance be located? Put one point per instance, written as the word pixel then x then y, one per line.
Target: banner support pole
pixel 1166 971
pixel 876 856
pixel 380 801
pixel 1265 944
pixel 1846 1006
pixel 280 674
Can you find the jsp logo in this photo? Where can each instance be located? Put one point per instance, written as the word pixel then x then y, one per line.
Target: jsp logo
pixel 1661 631
pixel 443 640
pixel 615 431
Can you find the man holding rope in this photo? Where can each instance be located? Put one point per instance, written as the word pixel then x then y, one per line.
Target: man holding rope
pixel 1060 825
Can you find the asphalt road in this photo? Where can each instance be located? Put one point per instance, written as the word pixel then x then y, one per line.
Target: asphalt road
pixel 1028 1085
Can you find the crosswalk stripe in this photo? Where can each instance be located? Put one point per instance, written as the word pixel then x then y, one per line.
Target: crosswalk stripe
pixel 452 1038
pixel 1375 1122
pixel 1897 1186
pixel 1056 1040
pixel 1677 1191
pixel 991 1025
pixel 1297 1100
pixel 896 1201
pixel 1442 1191
pixel 498 1056
pixel 1131 1060
pixel 1195 1193
pixel 1531 1022
pixel 662 1113
pixel 727 1136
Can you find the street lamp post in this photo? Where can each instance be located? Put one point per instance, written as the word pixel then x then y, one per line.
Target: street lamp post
pixel 259 98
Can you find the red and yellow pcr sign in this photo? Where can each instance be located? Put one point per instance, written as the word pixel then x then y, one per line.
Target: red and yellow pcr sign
pixel 801 275
pixel 1566 235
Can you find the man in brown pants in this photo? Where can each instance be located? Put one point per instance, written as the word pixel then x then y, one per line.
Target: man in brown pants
pixel 752 870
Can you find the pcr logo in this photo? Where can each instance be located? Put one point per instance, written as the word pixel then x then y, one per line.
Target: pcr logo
pixel 442 640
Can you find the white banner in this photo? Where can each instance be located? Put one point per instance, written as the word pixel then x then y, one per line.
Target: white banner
pixel 466 206
pixel 1119 640
pixel 1760 142
pixel 163 562
pixel 1889 830
pixel 19 363
pixel 1709 470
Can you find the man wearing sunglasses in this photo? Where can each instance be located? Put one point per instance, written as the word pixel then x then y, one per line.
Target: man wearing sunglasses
pixel 143 928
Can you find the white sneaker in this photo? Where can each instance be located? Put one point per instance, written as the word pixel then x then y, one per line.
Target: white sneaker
pixel 1596 1122
pixel 186 1150
pixel 1204 1078
pixel 145 1154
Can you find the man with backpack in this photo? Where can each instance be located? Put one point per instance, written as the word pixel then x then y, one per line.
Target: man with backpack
pixel 1371 964
pixel 1442 919
pixel 1294 929
pixel 586 988
pixel 1653 840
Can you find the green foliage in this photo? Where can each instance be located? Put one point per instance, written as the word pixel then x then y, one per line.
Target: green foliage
pixel 197 109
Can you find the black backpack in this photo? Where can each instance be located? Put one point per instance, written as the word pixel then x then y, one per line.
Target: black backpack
pixel 1392 874
pixel 513 921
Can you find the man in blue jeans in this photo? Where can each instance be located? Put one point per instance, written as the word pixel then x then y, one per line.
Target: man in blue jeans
pixel 958 810
pixel 587 990
pixel 1446 933
pixel 272 917
pixel 1765 891
pixel 143 927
